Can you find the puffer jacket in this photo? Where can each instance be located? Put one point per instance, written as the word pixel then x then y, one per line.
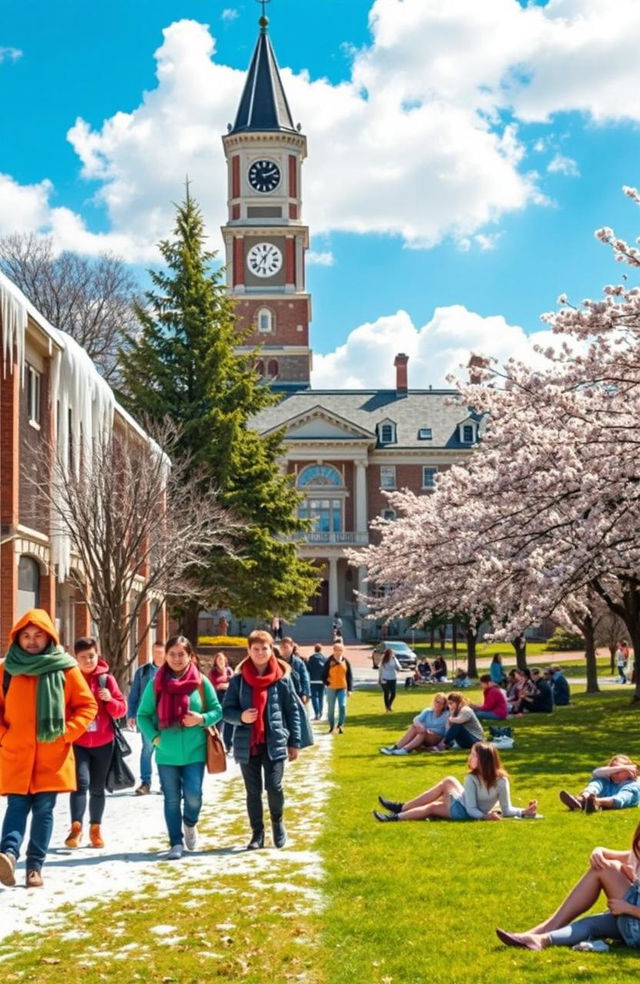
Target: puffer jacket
pixel 283 716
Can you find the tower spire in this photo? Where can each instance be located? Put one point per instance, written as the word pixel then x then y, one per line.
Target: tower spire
pixel 263 105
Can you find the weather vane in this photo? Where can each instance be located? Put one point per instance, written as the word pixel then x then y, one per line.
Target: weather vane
pixel 263 4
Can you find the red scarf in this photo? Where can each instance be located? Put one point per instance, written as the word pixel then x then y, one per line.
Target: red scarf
pixel 172 694
pixel 260 684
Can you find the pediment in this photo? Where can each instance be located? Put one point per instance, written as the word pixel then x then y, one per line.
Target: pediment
pixel 319 423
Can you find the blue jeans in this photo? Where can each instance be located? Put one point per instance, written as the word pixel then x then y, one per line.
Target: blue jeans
pixel 604 926
pixel 489 716
pixel 317 698
pixel 145 760
pixel 459 734
pixel 339 696
pixel 40 805
pixel 181 784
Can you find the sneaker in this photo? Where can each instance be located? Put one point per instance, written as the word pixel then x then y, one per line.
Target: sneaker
pixel 33 879
pixel 569 800
pixel 391 805
pixel 174 853
pixel 190 837
pixel 399 751
pixel 75 835
pixel 7 869
pixel 590 805
pixel 389 750
pixel 385 817
pixel 143 789
pixel 594 946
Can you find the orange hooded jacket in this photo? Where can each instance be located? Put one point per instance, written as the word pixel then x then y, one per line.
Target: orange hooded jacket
pixel 27 765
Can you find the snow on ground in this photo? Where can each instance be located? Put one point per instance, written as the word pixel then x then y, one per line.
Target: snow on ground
pixel 135 836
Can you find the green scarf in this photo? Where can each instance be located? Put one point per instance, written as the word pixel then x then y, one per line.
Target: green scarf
pixel 49 666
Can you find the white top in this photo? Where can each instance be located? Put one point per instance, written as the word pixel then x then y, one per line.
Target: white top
pixel 389 670
pixel 478 800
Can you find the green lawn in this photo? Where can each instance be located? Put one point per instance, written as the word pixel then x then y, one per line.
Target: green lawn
pixel 417 903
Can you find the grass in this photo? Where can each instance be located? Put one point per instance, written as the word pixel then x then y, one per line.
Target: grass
pixel 484 650
pixel 403 903
pixel 413 903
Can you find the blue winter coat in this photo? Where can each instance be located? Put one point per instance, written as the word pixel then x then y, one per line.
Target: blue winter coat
pixel 284 726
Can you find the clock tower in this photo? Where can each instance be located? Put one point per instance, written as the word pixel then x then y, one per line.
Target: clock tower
pixel 265 239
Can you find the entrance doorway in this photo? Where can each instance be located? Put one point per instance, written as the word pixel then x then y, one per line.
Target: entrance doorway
pixel 320 601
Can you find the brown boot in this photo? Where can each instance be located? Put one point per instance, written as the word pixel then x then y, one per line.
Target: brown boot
pixel 33 879
pixel 75 835
pixel 95 836
pixel 7 869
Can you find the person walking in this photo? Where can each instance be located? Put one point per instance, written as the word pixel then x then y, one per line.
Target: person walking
pixel 45 705
pixel 94 748
pixel 388 677
pixel 176 707
pixel 220 674
pixel 315 666
pixel 622 660
pixel 142 676
pixel 288 651
pixel 270 727
pixel 338 680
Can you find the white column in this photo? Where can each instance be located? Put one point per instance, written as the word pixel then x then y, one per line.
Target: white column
pixel 361 497
pixel 333 585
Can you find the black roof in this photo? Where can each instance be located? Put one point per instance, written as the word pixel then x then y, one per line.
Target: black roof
pixel 263 105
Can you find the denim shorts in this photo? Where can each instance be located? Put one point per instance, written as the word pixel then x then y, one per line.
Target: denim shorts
pixel 457 810
pixel 629 926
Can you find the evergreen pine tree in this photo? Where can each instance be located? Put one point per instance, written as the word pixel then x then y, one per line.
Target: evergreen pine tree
pixel 183 365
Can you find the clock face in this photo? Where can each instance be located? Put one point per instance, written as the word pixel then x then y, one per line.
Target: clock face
pixel 264 259
pixel 264 176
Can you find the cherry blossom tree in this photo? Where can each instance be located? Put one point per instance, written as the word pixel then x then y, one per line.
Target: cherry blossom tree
pixel 546 516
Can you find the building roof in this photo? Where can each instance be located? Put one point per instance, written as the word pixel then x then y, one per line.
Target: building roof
pixel 440 411
pixel 263 105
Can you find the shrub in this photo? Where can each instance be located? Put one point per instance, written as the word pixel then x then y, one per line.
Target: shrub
pixel 564 641
pixel 222 641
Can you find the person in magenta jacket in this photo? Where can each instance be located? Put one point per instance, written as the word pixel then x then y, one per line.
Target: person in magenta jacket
pixel 494 706
pixel 93 750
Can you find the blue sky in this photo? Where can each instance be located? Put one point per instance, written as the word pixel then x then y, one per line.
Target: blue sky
pixel 461 154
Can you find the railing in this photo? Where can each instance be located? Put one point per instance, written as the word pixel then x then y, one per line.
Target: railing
pixel 336 539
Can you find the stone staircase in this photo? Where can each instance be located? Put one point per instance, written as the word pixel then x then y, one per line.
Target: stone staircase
pixel 309 629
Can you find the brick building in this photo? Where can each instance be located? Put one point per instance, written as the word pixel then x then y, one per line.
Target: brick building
pixel 51 399
pixel 344 448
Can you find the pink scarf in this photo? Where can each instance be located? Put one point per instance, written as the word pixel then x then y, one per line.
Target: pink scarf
pixel 172 694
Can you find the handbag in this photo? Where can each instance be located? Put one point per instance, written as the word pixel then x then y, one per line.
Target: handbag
pixel 119 775
pixel 216 757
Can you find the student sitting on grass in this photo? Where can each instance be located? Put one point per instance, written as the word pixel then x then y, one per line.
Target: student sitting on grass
pixel 613 872
pixel 464 728
pixel 427 731
pixel 612 787
pixel 486 785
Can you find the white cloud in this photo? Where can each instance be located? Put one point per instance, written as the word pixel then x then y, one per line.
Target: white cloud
pixel 10 54
pixel 563 165
pixel 413 145
pixel 229 14
pixel 436 350
pixel 324 258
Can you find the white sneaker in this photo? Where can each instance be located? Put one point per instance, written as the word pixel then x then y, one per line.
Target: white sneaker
pixel 174 853
pixel 190 838
pixel 387 751
pixel 595 946
pixel 399 751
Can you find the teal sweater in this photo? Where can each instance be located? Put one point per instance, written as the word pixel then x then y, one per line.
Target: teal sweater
pixel 179 746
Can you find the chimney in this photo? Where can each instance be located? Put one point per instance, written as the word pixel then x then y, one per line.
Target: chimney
pixel 402 384
pixel 476 366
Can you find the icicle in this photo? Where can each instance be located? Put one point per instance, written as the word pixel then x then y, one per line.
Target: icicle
pixel 13 315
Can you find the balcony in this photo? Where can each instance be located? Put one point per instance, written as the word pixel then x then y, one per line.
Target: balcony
pixel 344 539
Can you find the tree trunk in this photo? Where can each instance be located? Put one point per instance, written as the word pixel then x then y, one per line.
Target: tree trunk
pixel 631 603
pixel 612 658
pixel 432 636
pixel 520 646
pixel 454 638
pixel 472 666
pixel 189 622
pixel 589 633
pixel 442 632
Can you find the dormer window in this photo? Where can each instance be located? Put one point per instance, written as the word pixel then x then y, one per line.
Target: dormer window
pixel 425 434
pixel 467 433
pixel 387 433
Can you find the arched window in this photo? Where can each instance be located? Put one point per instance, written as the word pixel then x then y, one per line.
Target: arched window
pixel 273 368
pixel 322 506
pixel 320 475
pixel 28 584
pixel 265 320
pixel 259 367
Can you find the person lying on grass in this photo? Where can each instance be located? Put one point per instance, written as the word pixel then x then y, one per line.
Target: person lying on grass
pixel 427 730
pixel 614 786
pixel 616 873
pixel 485 786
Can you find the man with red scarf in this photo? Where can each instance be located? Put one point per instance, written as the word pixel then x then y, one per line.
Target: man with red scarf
pixel 270 726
